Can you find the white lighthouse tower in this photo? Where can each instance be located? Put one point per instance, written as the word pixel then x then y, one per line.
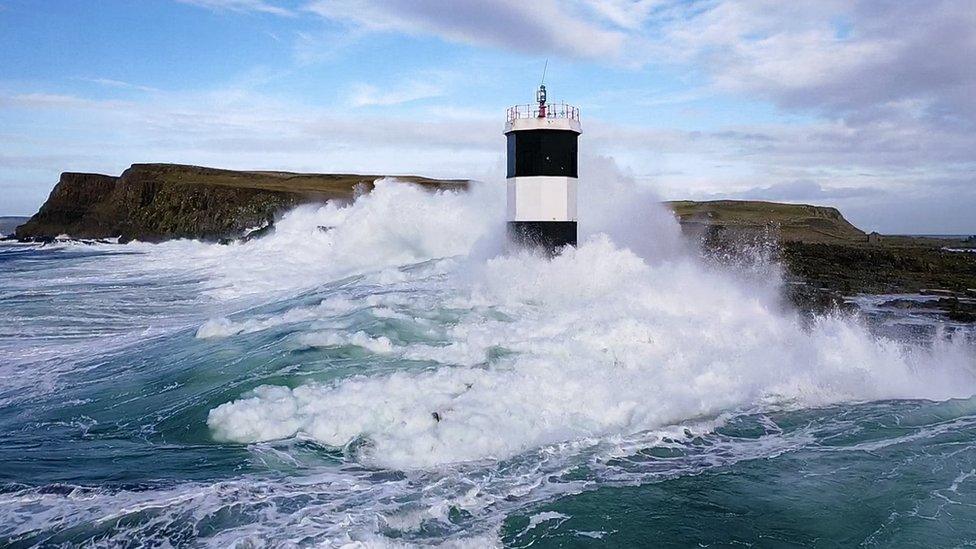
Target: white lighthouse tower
pixel 542 173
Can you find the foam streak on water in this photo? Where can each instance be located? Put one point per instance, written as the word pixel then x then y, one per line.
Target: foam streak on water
pixel 383 373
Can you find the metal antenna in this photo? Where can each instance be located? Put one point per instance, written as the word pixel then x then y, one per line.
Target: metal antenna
pixel 544 69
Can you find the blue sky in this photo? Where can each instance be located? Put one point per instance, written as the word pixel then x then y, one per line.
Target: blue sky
pixel 868 106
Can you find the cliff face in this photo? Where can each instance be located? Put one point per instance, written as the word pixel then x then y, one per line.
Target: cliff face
pixel 155 202
pixel 68 208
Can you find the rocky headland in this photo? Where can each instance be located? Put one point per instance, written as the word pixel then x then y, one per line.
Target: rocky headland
pixel 828 259
pixel 156 202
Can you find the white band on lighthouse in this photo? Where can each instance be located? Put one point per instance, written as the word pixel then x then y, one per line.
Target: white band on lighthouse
pixel 542 198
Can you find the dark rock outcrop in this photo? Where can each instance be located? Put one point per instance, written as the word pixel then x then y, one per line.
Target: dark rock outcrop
pixel 155 202
pixel 883 269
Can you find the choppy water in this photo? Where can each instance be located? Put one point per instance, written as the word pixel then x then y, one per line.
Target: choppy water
pixel 397 379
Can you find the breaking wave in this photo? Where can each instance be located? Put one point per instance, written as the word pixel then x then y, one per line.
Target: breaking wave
pixel 519 351
pixel 594 343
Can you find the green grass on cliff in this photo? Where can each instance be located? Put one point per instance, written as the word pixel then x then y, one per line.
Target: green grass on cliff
pixel 793 222
pixel 326 185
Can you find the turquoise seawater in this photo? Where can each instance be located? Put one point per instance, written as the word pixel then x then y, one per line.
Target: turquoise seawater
pixel 436 393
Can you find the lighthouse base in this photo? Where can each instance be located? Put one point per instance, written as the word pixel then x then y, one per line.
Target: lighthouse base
pixel 549 236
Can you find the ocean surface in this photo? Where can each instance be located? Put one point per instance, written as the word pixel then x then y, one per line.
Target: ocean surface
pixel 385 374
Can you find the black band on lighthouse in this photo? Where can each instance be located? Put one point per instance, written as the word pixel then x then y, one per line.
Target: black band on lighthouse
pixel 542 152
pixel 550 236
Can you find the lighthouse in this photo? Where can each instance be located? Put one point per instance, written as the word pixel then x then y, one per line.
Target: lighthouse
pixel 542 173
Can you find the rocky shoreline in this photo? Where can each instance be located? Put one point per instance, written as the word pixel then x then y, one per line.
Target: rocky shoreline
pixel 828 275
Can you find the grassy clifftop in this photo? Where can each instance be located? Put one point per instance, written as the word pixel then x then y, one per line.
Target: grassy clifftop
pixel 332 186
pixel 790 222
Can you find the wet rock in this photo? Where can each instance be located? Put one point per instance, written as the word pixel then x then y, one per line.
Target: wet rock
pixel 962 316
pixel 816 300
pixel 953 308
pixel 826 258
pixel 930 291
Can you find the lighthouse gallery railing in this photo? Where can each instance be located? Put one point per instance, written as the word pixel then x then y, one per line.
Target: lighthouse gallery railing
pixel 552 110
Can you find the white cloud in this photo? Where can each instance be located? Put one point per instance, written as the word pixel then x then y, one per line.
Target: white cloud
pixel 839 58
pixel 112 83
pixel 365 95
pixel 888 85
pixel 234 125
pixel 824 163
pixel 259 6
pixel 627 14
pixel 804 190
pixel 57 101
pixel 836 57
pixel 542 26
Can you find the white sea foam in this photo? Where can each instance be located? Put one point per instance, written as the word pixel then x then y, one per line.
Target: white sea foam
pixel 338 506
pixel 345 508
pixel 597 342
pixel 379 345
pixel 396 224
pixel 601 344
pixel 327 308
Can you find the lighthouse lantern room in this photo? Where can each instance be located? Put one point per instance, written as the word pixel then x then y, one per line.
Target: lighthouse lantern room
pixel 542 173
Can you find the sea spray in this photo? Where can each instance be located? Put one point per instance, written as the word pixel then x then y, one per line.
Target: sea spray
pixel 594 343
pixel 396 224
